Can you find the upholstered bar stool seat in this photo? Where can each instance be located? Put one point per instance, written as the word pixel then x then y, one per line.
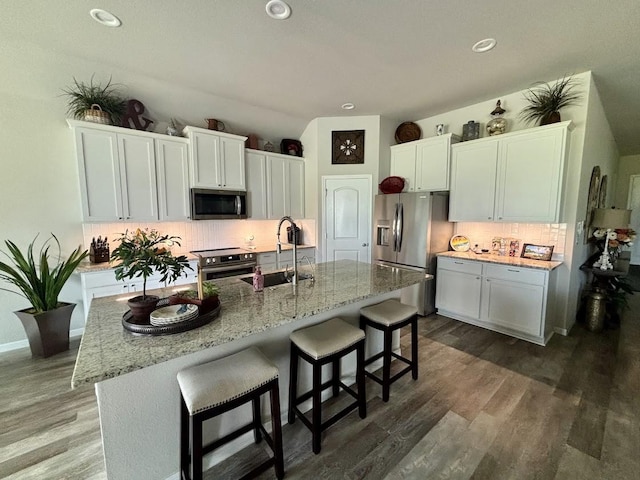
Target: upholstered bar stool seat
pixel 319 345
pixel 216 387
pixel 389 316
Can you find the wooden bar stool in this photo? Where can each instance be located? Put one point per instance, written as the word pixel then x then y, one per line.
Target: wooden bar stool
pixel 319 345
pixel 216 387
pixel 389 316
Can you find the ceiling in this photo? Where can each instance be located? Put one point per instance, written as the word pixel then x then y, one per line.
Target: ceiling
pixel 403 59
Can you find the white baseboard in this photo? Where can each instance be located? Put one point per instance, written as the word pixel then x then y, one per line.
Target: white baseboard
pixel 561 331
pixel 8 347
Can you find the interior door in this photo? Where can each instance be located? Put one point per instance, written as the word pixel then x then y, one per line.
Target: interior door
pixel 347 218
pixel 633 204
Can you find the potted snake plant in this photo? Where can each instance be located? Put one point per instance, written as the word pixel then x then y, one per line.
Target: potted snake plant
pixel 40 281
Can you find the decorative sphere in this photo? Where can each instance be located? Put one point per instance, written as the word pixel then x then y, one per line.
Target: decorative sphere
pixel 496 126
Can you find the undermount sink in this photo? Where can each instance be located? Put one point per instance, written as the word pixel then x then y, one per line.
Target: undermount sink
pixel 276 278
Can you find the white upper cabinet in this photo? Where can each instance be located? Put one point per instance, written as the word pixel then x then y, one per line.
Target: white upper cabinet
pixel 275 185
pixel 515 177
pixel 172 165
pixel 216 159
pixel 424 164
pixel 138 177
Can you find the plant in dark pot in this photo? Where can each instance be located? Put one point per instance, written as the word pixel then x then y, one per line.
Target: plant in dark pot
pixel 546 100
pixel 95 102
pixel 40 281
pixel 141 254
pixel 206 301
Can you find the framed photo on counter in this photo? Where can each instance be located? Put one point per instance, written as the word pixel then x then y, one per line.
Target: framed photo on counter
pixel 537 252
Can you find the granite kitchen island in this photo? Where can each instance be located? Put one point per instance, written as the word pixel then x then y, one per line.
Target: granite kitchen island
pixel 135 376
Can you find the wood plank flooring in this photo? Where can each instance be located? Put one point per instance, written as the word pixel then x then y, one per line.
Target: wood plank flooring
pixel 486 406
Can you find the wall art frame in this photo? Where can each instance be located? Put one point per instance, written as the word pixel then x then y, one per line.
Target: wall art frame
pixel 347 147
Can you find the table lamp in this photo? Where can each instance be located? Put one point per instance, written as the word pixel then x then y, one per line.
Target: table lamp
pixel 609 219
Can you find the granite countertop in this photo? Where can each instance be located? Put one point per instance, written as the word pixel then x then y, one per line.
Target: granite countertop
pixel 107 350
pixel 504 260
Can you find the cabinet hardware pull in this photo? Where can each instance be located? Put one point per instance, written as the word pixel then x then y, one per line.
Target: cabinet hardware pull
pixel 459 263
pixel 477 278
pixel 512 270
pixel 488 218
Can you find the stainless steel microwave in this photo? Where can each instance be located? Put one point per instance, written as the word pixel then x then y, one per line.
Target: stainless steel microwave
pixel 217 204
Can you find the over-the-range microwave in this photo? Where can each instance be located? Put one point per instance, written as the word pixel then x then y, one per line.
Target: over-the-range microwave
pixel 217 204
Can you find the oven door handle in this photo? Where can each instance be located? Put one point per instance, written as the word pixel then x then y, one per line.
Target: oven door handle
pixel 238 205
pixel 236 266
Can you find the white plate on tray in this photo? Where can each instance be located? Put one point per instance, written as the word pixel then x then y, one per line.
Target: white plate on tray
pixel 173 314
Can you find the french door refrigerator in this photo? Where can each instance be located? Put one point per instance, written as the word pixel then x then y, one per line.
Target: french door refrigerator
pixel 410 229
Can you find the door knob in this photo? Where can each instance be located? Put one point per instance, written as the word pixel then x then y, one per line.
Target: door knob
pixel 365 244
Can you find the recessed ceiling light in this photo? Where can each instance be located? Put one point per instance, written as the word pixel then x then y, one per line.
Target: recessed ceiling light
pixel 278 9
pixel 348 106
pixel 484 45
pixel 105 18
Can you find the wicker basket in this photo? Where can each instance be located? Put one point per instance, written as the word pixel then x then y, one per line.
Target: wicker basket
pixel 96 115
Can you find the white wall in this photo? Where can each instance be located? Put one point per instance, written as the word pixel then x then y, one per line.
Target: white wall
pixel 629 165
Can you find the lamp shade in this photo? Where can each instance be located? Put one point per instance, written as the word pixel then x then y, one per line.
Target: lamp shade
pixel 611 218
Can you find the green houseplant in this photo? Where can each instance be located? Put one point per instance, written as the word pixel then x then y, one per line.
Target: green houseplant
pixel 546 100
pixel 206 302
pixel 87 100
pixel 40 282
pixel 141 254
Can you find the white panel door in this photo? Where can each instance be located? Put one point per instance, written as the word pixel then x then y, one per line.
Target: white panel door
pixel 256 169
pixel 458 292
pixel 347 218
pixel 138 177
pixel 172 164
pixel 232 164
pixel 634 205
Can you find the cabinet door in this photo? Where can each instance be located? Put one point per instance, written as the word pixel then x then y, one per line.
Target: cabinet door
pixel 518 306
pixel 205 160
pixel 403 164
pixel 529 177
pixel 256 184
pixel 232 164
pixel 276 184
pixel 172 165
pixel 473 182
pixel 295 189
pixel 99 174
pixel 138 177
pixel 432 165
pixel 458 293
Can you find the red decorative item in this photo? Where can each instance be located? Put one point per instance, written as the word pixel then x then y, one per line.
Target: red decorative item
pixel 133 118
pixel 392 185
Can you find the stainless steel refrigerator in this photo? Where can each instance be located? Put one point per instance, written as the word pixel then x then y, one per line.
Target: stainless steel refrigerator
pixel 409 230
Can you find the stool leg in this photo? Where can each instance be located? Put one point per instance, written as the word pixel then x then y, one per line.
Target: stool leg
pixel 414 347
pixel 362 397
pixel 276 431
pixel 184 440
pixel 293 383
pixel 257 419
pixel 386 365
pixel 316 414
pixel 196 448
pixel 335 380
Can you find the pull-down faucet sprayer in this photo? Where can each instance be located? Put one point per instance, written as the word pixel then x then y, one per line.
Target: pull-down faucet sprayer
pixel 294 279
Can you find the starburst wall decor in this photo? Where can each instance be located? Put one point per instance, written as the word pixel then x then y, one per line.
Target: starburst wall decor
pixel 347 147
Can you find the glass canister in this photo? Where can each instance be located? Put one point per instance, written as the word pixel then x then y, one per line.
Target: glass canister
pixel 498 124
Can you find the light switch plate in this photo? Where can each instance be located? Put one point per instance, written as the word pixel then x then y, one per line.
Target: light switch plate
pixel 579 231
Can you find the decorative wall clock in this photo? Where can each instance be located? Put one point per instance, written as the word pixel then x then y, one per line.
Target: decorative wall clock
pixel 347 147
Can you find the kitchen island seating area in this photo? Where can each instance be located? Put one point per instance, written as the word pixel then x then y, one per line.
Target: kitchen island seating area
pixel 388 317
pixel 216 387
pixel 319 345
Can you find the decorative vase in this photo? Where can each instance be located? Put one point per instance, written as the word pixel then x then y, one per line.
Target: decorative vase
pixel 498 124
pixel 141 307
pixel 48 332
pixel 553 117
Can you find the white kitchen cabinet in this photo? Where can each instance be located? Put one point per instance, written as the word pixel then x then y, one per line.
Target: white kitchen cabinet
pixel 275 185
pixel 511 300
pixel 514 177
pixel 424 164
pixel 285 258
pixel 117 175
pixel 216 159
pixel 172 165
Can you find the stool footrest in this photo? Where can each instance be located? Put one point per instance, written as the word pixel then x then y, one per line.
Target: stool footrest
pixel 227 438
pixel 263 467
pixel 392 379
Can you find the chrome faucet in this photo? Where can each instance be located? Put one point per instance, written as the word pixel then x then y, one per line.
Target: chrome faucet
pixel 294 278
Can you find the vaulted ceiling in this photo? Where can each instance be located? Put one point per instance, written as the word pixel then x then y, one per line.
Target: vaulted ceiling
pixel 403 59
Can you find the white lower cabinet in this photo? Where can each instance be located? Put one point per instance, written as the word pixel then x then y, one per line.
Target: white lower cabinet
pixel 504 298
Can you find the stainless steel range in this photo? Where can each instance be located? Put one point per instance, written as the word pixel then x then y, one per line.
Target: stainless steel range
pixel 224 262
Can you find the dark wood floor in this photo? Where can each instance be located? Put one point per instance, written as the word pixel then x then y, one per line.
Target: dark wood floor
pixel 486 406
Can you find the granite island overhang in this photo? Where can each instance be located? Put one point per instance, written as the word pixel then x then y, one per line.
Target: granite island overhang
pixel 135 376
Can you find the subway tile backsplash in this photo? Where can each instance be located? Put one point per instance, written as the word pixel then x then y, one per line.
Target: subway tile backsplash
pixel 482 233
pixel 206 234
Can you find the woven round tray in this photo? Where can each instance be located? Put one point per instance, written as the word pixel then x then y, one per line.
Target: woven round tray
pixel 148 329
pixel 408 132
pixel 392 184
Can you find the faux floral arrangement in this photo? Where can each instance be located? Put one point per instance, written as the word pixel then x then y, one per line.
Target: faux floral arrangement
pixel 620 237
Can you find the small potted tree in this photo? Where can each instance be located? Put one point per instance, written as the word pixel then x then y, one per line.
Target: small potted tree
pixel 206 301
pixel 143 253
pixel 40 282
pixel 95 102
pixel 546 100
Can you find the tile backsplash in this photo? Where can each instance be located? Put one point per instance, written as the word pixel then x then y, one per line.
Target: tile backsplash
pixel 206 234
pixel 482 233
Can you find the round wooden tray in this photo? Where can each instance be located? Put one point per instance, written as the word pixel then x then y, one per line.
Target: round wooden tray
pixel 408 132
pixel 148 329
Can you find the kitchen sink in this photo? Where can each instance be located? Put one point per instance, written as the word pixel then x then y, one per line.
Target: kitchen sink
pixel 276 278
